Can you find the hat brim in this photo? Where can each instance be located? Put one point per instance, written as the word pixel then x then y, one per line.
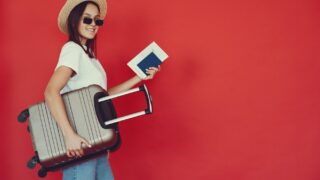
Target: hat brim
pixel 70 4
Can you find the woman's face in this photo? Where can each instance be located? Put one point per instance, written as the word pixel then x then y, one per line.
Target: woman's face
pixel 88 31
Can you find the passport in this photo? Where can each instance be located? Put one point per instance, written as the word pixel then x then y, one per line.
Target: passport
pixel 151 56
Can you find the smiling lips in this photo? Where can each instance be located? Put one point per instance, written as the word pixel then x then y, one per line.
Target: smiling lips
pixel 91 30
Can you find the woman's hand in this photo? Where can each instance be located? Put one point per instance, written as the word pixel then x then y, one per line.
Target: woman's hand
pixel 152 71
pixel 74 144
pixel 133 81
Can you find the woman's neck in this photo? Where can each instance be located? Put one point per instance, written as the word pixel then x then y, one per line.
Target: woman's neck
pixel 83 41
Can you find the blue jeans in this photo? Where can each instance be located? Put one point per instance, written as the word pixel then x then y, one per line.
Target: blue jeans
pixel 93 169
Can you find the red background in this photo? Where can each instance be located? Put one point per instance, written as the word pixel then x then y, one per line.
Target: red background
pixel 237 99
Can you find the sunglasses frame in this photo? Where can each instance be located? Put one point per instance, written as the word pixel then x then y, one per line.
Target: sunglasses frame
pixel 88 21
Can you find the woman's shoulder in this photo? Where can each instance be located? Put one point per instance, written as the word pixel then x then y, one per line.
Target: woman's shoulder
pixel 71 46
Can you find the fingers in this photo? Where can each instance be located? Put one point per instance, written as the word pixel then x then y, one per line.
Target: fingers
pixel 79 152
pixel 75 146
pixel 75 153
pixel 151 72
pixel 69 153
pixel 83 141
pixel 154 69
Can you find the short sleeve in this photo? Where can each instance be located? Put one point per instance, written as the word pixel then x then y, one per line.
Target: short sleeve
pixel 70 56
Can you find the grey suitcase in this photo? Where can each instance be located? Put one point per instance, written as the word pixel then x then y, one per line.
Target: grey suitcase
pixel 91 114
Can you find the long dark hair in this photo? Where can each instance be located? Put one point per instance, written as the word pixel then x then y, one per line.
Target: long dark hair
pixel 73 24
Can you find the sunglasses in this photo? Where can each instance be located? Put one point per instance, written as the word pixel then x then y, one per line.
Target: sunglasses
pixel 87 20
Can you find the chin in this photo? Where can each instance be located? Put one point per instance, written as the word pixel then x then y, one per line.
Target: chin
pixel 87 35
pixel 90 37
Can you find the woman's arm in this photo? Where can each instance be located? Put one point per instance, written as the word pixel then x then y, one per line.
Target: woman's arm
pixel 133 81
pixel 56 106
pixel 124 86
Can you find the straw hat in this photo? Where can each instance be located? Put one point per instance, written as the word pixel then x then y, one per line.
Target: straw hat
pixel 70 4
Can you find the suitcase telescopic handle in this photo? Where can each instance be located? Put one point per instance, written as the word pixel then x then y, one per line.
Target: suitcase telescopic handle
pixel 142 88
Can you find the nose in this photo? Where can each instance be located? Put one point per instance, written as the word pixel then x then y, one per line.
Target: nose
pixel 92 23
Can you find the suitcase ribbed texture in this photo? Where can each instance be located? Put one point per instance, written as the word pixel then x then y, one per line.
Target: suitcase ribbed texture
pixel 47 138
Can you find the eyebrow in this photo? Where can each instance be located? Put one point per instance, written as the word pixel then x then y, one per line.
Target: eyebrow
pixel 87 14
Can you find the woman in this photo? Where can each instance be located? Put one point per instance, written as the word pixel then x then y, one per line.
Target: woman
pixel 77 68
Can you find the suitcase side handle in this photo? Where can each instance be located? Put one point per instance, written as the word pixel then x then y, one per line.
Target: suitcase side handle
pixel 148 98
pixel 146 111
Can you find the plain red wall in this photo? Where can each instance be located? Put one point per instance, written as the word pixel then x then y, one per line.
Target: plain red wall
pixel 237 99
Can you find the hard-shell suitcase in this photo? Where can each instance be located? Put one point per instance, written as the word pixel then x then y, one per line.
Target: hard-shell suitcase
pixel 91 114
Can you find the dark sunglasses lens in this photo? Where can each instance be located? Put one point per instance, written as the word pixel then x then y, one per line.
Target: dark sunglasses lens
pixel 99 22
pixel 87 20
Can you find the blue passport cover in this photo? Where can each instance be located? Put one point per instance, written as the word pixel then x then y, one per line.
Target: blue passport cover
pixel 150 61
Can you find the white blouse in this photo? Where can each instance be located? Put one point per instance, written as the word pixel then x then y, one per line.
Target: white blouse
pixel 88 70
